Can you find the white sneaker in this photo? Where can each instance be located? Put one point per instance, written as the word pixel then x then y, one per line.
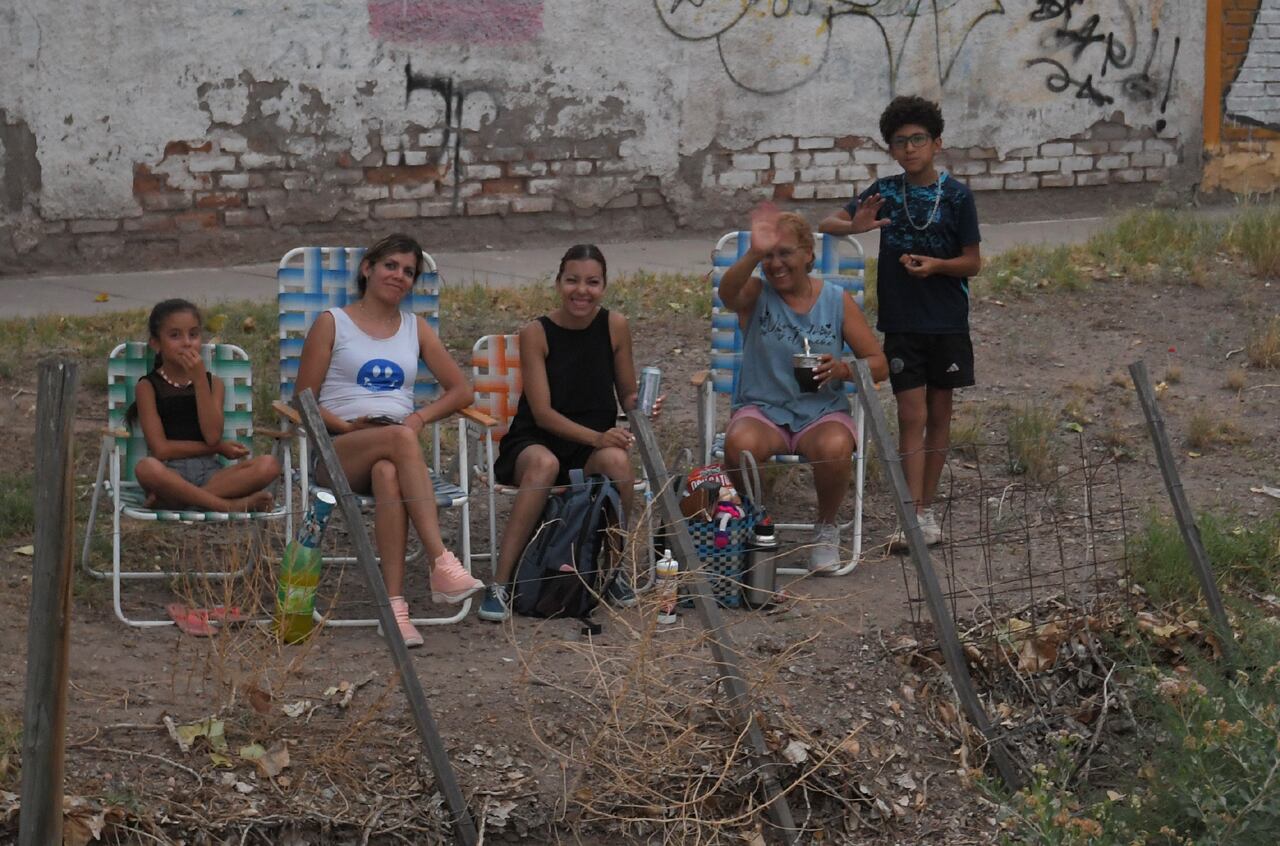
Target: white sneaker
pixel 929 527
pixel 824 549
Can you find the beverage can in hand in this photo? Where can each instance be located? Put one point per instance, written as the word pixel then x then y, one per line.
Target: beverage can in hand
pixel 650 382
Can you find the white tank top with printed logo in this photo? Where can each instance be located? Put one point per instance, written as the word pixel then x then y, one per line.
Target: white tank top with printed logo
pixel 370 376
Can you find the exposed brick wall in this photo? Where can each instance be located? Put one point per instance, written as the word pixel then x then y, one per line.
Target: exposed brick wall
pixel 829 168
pixel 233 191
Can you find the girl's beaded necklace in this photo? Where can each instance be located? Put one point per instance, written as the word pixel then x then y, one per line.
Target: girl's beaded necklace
pixel 937 201
pixel 170 382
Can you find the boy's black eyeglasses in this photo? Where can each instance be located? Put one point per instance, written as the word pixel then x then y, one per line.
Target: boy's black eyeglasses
pixel 915 142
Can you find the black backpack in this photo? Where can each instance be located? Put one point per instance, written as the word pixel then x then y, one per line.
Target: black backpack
pixel 573 531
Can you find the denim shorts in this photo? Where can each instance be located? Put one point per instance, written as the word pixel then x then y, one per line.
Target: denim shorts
pixel 197 470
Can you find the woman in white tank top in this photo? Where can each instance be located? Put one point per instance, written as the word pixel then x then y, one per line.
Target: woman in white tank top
pixel 361 361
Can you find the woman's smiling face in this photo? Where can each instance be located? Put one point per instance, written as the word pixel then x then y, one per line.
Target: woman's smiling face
pixel 581 286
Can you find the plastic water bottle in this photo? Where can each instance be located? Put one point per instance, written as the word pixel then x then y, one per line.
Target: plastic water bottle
pixel 300 572
pixel 667 569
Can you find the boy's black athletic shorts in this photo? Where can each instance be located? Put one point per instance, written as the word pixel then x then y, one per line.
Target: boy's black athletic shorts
pixel 936 361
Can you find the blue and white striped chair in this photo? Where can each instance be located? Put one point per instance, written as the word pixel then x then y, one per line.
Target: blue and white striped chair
pixel 839 261
pixel 314 279
pixel 123 448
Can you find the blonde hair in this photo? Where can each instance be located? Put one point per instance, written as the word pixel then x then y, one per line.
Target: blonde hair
pixel 799 227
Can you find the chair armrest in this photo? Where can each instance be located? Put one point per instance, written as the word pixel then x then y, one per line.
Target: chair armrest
pixel 288 413
pixel 699 378
pixel 275 433
pixel 477 417
pixel 115 433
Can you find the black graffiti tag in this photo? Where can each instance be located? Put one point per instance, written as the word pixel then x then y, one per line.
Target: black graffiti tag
pixel 453 95
pixel 1060 79
pixel 1047 10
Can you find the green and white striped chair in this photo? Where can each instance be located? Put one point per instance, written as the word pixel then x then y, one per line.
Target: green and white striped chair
pixel 314 279
pixel 123 448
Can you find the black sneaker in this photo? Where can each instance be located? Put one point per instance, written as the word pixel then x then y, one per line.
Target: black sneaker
pixel 620 593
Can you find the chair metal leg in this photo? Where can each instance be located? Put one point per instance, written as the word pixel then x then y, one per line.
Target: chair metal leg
pixel 93 509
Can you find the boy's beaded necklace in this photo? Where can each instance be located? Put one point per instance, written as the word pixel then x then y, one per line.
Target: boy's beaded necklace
pixel 937 201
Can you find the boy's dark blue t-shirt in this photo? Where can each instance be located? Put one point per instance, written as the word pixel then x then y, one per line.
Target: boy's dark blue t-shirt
pixel 935 305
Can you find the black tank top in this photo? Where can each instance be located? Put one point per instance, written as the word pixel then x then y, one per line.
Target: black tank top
pixel 579 374
pixel 177 408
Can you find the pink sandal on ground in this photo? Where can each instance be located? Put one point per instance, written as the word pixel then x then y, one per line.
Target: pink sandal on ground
pixel 400 608
pixel 450 582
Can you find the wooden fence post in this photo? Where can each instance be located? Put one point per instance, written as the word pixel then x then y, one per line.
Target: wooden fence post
pixel 723 650
pixel 948 638
pixel 464 827
pixel 1181 507
pixel 45 714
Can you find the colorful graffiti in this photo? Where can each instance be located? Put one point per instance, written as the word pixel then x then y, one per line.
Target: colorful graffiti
pixel 455 21
pixel 772 46
pixel 1252 98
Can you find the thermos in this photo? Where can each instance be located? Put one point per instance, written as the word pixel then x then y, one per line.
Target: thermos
pixel 759 577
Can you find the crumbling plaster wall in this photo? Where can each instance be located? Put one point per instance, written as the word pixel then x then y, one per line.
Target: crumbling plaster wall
pixel 156 132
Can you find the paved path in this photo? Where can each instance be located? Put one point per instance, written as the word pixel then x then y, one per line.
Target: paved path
pixel 27 296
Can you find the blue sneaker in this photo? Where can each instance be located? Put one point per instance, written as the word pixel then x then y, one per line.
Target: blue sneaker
pixel 496 606
pixel 620 592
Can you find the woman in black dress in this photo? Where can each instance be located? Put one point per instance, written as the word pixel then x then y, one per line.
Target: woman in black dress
pixel 577 370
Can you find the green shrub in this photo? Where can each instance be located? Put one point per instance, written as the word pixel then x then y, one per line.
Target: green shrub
pixel 17 504
pixel 1241 556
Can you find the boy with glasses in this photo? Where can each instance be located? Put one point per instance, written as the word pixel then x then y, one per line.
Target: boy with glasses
pixel 928 250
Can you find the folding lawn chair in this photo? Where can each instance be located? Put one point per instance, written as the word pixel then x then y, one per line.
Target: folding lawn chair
pixel 123 448
pixel 495 377
pixel 314 279
pixel 839 261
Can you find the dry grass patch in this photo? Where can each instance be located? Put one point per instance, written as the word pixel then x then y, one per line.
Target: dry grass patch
pixel 1263 348
pixel 1236 379
pixel 1204 430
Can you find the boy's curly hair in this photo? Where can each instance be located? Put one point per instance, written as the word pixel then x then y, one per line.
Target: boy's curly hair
pixel 904 110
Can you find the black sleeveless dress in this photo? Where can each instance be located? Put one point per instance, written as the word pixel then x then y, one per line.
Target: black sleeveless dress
pixel 581 378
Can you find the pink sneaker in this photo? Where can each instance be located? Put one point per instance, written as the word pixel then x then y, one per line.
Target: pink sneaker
pixel 412 637
pixel 450 582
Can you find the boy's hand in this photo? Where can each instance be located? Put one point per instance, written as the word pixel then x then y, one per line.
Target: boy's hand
pixel 764 227
pixel 921 266
pixel 864 219
pixel 232 450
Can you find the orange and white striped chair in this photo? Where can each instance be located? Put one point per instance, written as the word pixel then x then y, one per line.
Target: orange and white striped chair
pixel 496 381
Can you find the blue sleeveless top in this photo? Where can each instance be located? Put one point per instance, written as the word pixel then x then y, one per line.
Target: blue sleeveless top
pixel 775 332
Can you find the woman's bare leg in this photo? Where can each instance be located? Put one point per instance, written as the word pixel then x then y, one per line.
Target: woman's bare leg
pixel 390 525
pixel 359 451
pixel 829 449
pixel 535 472
pixel 749 435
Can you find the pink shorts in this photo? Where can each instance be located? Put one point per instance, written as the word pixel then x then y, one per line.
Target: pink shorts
pixel 753 412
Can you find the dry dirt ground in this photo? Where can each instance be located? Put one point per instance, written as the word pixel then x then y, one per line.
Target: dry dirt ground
pixel 557 737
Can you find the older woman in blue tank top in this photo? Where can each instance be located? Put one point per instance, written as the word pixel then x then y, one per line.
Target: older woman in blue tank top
pixel 771 414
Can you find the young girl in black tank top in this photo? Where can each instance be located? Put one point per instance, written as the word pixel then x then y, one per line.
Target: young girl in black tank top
pixel 577 371
pixel 179 406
